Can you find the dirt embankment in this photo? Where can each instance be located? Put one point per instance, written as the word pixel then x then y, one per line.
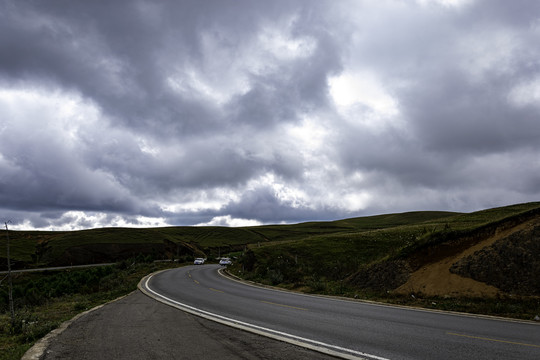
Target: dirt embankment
pixel 507 262
pixel 497 259
pixel 512 263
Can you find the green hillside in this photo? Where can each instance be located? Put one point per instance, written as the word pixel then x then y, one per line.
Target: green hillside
pixel 374 257
pixel 370 253
pixel 35 248
pixel 42 248
pixel 287 254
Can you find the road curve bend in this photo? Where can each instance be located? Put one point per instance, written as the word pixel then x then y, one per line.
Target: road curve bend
pixel 347 329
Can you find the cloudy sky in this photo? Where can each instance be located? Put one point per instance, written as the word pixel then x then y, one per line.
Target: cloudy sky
pixel 153 113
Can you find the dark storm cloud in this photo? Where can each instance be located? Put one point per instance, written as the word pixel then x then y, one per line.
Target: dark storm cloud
pixel 122 54
pixel 456 116
pixel 453 86
pixel 107 52
pixel 263 204
pixel 187 112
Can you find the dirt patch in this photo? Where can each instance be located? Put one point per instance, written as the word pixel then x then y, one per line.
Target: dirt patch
pixel 511 264
pixel 436 279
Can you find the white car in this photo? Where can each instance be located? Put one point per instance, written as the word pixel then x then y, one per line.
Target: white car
pixel 198 261
pixel 225 261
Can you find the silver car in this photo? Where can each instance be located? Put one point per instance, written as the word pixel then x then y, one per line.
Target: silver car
pixel 225 261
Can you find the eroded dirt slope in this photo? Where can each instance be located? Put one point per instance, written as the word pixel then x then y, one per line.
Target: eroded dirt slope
pixel 455 275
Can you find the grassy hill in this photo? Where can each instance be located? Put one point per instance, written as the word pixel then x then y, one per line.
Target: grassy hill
pixel 373 254
pixel 482 262
pixel 45 248
pixel 379 255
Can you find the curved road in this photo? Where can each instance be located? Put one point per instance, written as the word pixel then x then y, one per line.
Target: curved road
pixel 354 329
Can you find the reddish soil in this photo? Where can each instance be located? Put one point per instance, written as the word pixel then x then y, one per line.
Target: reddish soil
pixel 435 279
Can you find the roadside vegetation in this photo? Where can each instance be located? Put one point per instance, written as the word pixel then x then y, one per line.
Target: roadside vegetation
pixel 371 257
pixel 366 258
pixel 43 300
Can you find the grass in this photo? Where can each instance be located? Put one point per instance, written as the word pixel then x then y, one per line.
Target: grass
pixel 26 245
pixel 328 254
pixel 40 248
pixel 303 263
pixel 314 257
pixel 338 254
pixel 65 294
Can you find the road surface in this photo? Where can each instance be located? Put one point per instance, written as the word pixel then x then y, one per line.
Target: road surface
pixel 137 327
pixel 355 329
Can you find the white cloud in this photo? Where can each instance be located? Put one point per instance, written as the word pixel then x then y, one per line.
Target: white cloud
pixel 199 200
pixel 280 43
pixel 199 114
pixel 79 220
pixel 227 220
pixel 526 93
pixel 362 87
pixel 286 193
pixel 446 3
pixel 362 99
pixel 489 52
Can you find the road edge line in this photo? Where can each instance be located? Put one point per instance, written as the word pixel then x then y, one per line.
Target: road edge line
pixel 238 325
pixel 227 274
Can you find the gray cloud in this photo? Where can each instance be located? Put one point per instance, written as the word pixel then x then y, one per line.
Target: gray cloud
pixel 139 113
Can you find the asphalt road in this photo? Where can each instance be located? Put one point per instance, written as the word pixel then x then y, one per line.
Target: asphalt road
pixel 138 327
pixel 354 328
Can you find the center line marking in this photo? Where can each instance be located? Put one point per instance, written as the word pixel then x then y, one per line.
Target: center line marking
pixel 282 305
pixel 496 340
pixel 217 290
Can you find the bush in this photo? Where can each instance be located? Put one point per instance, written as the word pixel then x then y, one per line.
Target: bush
pixel 275 277
pixel 32 290
pixel 316 284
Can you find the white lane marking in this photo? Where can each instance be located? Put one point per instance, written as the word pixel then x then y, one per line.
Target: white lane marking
pixel 490 339
pixel 283 305
pixel 262 330
pixel 377 304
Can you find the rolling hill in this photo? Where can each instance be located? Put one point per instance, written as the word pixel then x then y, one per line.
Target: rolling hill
pixel 484 253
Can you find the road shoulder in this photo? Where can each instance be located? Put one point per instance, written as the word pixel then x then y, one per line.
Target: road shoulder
pixel 138 327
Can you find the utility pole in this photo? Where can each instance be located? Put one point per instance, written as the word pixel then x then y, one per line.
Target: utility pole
pixel 10 281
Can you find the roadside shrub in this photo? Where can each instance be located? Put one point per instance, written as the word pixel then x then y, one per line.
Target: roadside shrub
pixel 316 284
pixel 34 289
pixel 275 277
pixel 80 306
pixel 248 260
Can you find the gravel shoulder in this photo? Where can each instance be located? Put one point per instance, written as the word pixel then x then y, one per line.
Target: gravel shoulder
pixel 138 327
